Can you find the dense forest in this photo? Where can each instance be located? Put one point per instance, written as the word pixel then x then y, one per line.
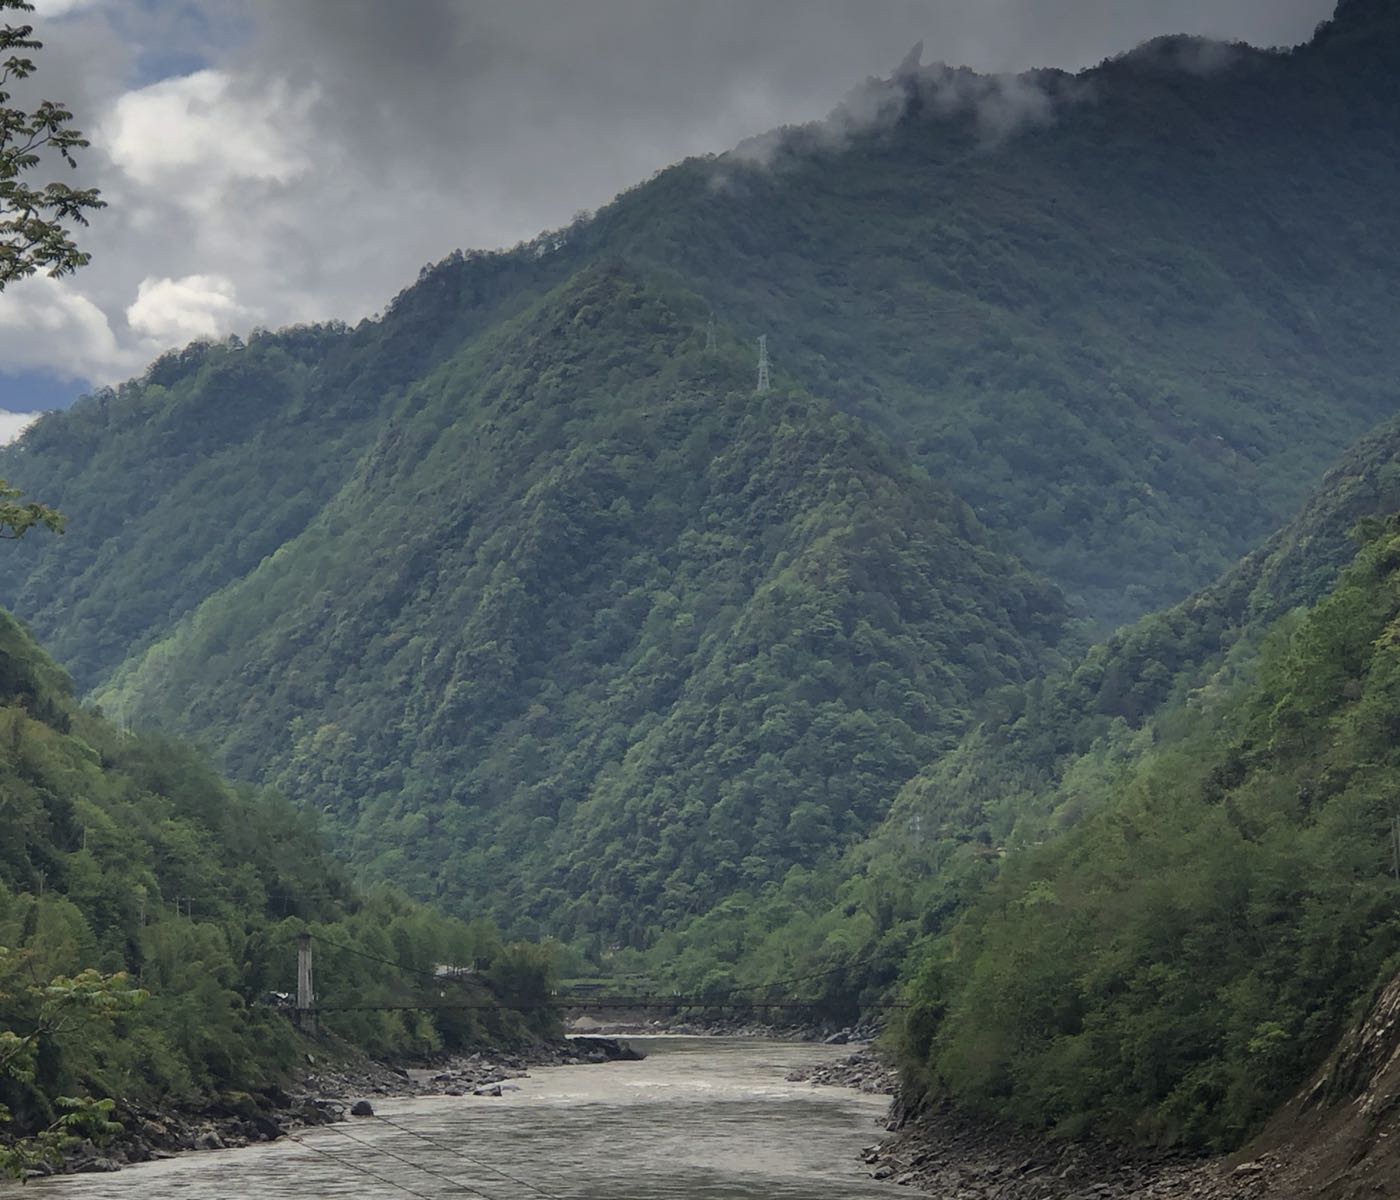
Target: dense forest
pixel 588 653
pixel 129 857
pixel 1224 898
pixel 934 670
pixel 1035 764
pixel 485 564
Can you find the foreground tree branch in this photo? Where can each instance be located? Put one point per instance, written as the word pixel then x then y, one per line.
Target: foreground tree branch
pixel 35 221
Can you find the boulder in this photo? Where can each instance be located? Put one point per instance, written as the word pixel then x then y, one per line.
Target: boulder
pixel 362 1108
pixel 601 1049
pixel 266 1128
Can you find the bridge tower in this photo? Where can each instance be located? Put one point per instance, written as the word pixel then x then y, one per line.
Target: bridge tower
pixel 306 991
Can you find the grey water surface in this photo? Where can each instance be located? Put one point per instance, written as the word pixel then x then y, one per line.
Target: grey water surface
pixel 700 1119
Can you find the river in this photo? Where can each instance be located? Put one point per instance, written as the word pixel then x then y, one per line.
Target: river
pixel 699 1119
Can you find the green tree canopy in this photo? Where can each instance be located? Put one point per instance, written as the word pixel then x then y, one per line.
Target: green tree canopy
pixel 35 221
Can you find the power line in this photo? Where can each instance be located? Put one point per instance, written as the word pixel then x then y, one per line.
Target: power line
pixel 341 1160
pixel 388 962
pixel 466 1187
pixel 422 1137
pixel 750 987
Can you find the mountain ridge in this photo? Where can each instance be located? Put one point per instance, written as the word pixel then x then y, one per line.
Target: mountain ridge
pixel 777 483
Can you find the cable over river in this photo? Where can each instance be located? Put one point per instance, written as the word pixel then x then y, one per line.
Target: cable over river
pixel 699 1119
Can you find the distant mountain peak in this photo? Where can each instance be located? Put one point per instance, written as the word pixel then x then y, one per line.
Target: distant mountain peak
pixel 1361 21
pixel 1188 54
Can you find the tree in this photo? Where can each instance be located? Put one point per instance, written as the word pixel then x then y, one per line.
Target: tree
pixel 18 518
pixel 55 1005
pixel 34 221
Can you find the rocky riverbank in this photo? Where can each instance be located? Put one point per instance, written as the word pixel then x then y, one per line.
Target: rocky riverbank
pixel 866 1070
pixel 325 1090
pixel 643 1024
pixel 949 1154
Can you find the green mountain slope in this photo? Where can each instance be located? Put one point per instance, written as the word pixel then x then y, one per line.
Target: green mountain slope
pixel 183 482
pixel 1002 774
pixel 530 592
pixel 127 854
pixel 1043 757
pixel 1130 330
pixel 1129 316
pixel 1146 894
pixel 596 646
pixel 1182 958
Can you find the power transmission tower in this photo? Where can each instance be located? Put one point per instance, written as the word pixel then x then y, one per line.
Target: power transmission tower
pixel 763 383
pixel 710 344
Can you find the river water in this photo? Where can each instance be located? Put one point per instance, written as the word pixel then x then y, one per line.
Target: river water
pixel 699 1119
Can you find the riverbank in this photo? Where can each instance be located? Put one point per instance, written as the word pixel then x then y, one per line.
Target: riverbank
pixel 958 1157
pixel 334 1080
pixel 699 1117
pixel 950 1154
pixel 643 1024
pixel 867 1070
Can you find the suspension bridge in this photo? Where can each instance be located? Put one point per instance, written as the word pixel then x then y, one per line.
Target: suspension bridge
pixel 774 997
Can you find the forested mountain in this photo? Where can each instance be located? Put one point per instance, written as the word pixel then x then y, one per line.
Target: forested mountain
pixel 1148 891
pixel 555 618
pixel 1128 315
pixel 1044 755
pixel 1223 899
pixel 128 854
pixel 606 643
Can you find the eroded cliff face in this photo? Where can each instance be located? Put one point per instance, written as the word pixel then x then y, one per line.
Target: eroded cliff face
pixel 1340 1138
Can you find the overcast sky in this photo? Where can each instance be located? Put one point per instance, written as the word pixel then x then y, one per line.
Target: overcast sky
pixel 273 161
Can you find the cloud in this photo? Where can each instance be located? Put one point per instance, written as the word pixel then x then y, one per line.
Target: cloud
pixel 45 324
pixel 52 9
pixel 998 107
pixel 172 312
pixel 13 424
pixel 199 133
pixel 324 150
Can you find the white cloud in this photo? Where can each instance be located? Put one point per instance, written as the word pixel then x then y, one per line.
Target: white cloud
pixel 44 324
pixel 171 312
pixel 13 424
pixel 50 9
pixel 200 129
